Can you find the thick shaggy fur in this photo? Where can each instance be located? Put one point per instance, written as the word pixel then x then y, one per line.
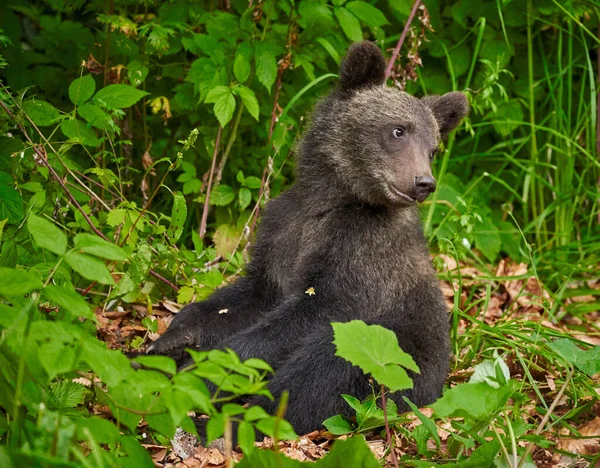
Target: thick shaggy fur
pixel 350 229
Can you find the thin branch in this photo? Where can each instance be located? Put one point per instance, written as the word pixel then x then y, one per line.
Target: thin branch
pixel 164 280
pixel 41 152
pixel 546 417
pixel 202 229
pixel 232 138
pixel 387 428
pixel 43 158
pixel 413 12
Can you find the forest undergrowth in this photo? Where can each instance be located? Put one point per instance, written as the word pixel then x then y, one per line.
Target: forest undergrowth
pixel 139 142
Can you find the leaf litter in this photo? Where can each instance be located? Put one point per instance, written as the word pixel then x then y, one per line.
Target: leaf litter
pixel 512 294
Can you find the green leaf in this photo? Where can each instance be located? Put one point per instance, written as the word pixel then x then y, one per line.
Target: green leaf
pixel 476 401
pixel 252 182
pixel 224 103
pixel 137 73
pixel 349 24
pixel 95 116
pixel 241 67
pixel 41 113
pixel 367 13
pixel 102 430
pixel 34 187
pixel 89 267
pixel 375 350
pixel 266 64
pixel 119 96
pixel 178 217
pixel 70 301
pixel 427 422
pixel 248 98
pixel 352 452
pixel 78 131
pixel 94 245
pixel 271 424
pixel 15 283
pixel 47 235
pixel 589 361
pixel 246 437
pixel 222 195
pixel 487 372
pixel 329 48
pixel 2 224
pixel 245 197
pixel 81 89
pixel 162 363
pixel 338 425
pixel 11 204
pixel 487 238
pixel 508 117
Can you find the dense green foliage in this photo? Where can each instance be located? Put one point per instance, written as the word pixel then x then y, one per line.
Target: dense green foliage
pixel 140 140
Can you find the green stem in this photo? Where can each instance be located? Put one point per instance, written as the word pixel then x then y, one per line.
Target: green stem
pixel 232 138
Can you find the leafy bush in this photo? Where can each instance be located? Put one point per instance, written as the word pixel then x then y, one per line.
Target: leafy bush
pixel 139 142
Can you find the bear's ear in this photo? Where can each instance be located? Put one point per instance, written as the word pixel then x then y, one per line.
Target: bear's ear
pixel 363 67
pixel 448 110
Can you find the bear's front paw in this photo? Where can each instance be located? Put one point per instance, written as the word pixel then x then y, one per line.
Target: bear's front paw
pixel 180 335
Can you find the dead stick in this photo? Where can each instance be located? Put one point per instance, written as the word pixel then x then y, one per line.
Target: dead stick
pixel 546 417
pixel 388 70
pixel 202 230
pixel 387 428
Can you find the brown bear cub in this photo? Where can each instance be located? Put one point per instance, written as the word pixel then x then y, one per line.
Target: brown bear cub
pixel 350 229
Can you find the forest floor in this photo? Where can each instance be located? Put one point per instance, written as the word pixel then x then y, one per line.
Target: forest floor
pixel 512 297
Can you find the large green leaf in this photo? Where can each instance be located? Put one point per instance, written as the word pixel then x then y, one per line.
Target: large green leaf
pixel 367 13
pixel 42 113
pixel 95 116
pixel 47 235
pixel 15 283
pixel 224 102
pixel 89 267
pixel 477 401
pixel 241 64
pixel 178 217
pixel 80 132
pixel 94 245
pixel 69 300
pixel 81 89
pixel 375 350
pixel 248 98
pixel 350 25
pixel 266 64
pixel 11 204
pixel 222 195
pixel 119 96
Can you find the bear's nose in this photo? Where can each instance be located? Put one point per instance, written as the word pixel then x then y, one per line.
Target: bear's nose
pixel 425 183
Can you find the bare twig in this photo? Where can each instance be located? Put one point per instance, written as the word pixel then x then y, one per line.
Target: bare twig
pixel 202 230
pixel 546 417
pixel 41 152
pixel 387 428
pixel 413 12
pixel 164 280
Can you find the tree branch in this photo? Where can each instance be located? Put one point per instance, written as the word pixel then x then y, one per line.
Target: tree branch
pixel 413 12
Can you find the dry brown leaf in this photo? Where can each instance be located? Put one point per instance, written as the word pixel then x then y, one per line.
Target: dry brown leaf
pixel 588 446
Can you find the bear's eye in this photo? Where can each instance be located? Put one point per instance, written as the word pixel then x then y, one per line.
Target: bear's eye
pixel 398 132
pixel 432 155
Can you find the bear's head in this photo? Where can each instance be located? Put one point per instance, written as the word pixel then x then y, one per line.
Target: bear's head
pixel 380 140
